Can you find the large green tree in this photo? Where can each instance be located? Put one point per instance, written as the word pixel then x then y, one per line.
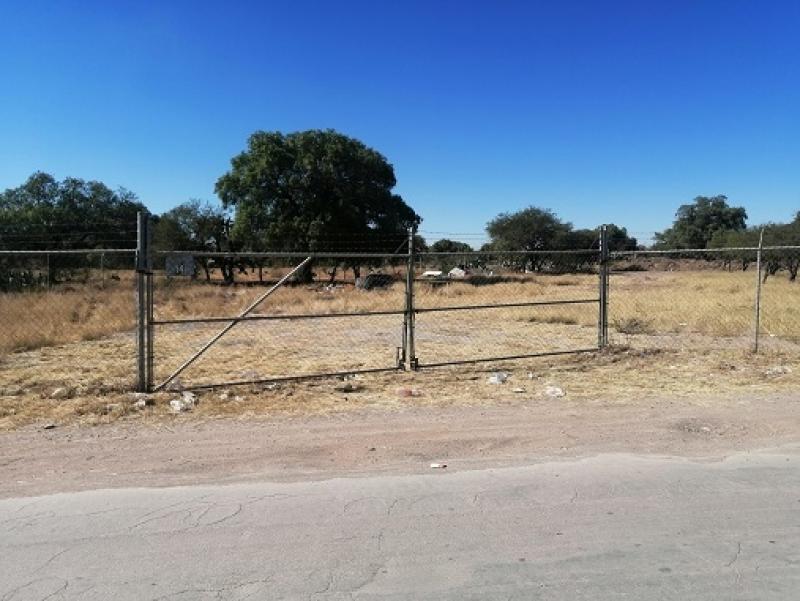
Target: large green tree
pixel 696 223
pixel 529 229
pixel 313 191
pixel 446 245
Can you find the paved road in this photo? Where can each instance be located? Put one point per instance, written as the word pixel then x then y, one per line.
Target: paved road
pixel 609 527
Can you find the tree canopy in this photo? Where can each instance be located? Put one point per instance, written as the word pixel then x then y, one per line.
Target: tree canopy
pixel 195 226
pixel 446 245
pixel 313 191
pixel 45 214
pixel 529 229
pixel 696 224
pixel 541 229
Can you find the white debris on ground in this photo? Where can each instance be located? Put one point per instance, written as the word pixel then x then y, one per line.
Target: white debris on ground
pixel 498 377
pixel 554 391
pixel 186 402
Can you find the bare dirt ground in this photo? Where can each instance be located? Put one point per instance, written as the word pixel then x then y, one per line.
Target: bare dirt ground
pixel 405 438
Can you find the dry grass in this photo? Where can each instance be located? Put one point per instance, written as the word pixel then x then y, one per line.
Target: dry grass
pixel 83 340
pixel 711 303
pixel 618 376
pixel 36 319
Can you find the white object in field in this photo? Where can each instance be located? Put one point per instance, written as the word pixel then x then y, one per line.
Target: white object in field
pixel 498 378
pixel 432 274
pixel 457 273
pixel 554 391
pixel 438 466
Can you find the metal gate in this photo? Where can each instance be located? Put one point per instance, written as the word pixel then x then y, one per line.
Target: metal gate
pixel 280 329
pixel 548 304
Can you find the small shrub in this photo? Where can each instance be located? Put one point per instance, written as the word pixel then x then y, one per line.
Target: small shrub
pixel 633 325
pixel 562 319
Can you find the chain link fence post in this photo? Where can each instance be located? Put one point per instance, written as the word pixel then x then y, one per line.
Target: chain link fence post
pixel 141 302
pixel 409 351
pixel 144 304
pixel 602 318
pixel 757 319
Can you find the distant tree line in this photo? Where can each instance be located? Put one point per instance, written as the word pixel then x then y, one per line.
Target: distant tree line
pixel 320 191
pixel 710 222
pixel 45 214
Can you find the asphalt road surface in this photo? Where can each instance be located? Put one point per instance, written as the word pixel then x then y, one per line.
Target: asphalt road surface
pixel 606 527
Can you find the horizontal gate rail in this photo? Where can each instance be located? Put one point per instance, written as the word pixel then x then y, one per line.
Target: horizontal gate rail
pixel 504 253
pixel 505 305
pixel 332 374
pixel 508 357
pixel 259 317
pixel 281 255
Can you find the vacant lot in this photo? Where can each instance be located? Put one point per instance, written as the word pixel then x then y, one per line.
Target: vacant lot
pixel 688 332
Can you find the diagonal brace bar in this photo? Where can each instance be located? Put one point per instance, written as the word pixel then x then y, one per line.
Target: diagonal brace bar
pixel 230 326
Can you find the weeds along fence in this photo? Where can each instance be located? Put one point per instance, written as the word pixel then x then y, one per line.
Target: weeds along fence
pixel 123 319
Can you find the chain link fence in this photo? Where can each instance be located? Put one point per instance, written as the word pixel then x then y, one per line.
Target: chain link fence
pixel 282 318
pixel 68 320
pixel 473 307
pixel 710 299
pixel 90 321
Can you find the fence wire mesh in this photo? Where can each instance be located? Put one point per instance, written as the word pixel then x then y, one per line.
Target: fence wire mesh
pixel 69 318
pixel 68 321
pixel 479 306
pixel 704 300
pixel 337 315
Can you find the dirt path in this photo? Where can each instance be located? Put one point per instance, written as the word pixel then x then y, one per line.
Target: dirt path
pixel 185 451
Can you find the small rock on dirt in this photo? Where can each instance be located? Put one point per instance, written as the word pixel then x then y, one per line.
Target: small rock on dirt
pixel 189 398
pixel 61 393
pixel 408 392
pixel 179 406
pixel 518 390
pixel 778 370
pixel 48 426
pixel 438 466
pixel 348 387
pixel 554 392
pixel 144 402
pixel 498 377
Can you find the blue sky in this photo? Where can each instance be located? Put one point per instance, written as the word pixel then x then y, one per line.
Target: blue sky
pixel 602 111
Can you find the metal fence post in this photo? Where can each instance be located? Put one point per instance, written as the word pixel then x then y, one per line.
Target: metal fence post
pixel 409 352
pixel 141 302
pixel 757 320
pixel 150 326
pixel 602 318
